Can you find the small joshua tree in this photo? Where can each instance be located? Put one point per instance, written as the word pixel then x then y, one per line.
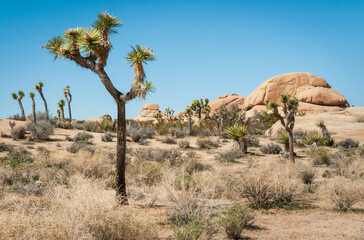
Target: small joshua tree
pixel 324 130
pixel 201 107
pixel 61 107
pixel 68 96
pixel 59 115
pixel 239 133
pixel 39 88
pixel 31 95
pixel 188 113
pixel 89 48
pixel 289 107
pixel 169 113
pixel 19 98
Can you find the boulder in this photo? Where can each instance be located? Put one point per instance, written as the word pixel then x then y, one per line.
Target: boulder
pixel 148 112
pixel 106 118
pixel 226 100
pixel 306 87
pixel 150 106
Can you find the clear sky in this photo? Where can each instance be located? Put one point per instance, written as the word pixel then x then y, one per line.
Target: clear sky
pixel 204 49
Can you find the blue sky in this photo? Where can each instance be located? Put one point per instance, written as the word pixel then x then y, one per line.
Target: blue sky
pixel 204 49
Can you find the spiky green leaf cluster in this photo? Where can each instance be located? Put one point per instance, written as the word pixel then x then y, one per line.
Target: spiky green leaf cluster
pixel 292 102
pixel 149 86
pixel 139 54
pixel 283 137
pixel 106 23
pixel 31 94
pixel 14 96
pixel 272 104
pixel 38 86
pixel 237 131
pixel 61 103
pixel 285 97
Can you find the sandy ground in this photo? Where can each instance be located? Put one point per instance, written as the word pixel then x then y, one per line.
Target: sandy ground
pixel 318 221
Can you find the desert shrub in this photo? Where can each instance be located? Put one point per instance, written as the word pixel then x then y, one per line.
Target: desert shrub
pixel 180 134
pixel 184 144
pixel 169 140
pixel 77 146
pixel 83 137
pixel 206 143
pixel 236 219
pixel 151 173
pixel 16 117
pixel 360 152
pixel 78 125
pixel 89 126
pixel 163 130
pixel 169 156
pixel 229 156
pixel 261 121
pixel 4 147
pixel 96 165
pixel 320 156
pixel 136 137
pixel 194 165
pixel 40 131
pixel 135 128
pixel 344 193
pixel 307 174
pixel 64 125
pixel 253 141
pixel 16 156
pixel 107 137
pixel 271 148
pixel 105 126
pixel 18 132
pixel 194 231
pixel 318 140
pixel 348 143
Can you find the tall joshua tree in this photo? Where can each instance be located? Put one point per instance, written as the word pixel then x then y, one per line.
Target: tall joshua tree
pixel 19 97
pixel 61 107
pixel 31 95
pixel 201 107
pixel 68 96
pixel 39 88
pixel 89 48
pixel 289 107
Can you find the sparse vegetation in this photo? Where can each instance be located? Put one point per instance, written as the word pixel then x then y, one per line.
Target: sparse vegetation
pixel 320 156
pixel 18 132
pixel 206 143
pixel 40 130
pixel 348 143
pixel 271 148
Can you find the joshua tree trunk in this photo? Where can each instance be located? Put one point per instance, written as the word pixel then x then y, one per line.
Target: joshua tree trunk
pixel 189 124
pixel 243 145
pixel 34 115
pixel 120 155
pixel 291 152
pixel 62 114
pixel 22 110
pixel 69 105
pixel 45 104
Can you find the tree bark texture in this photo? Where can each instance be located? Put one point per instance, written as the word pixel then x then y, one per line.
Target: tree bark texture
pixel 34 115
pixel 22 110
pixel 45 104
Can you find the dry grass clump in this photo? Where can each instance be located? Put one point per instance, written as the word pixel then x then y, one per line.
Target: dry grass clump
pixel 184 144
pixel 82 210
pixel 306 173
pixel 193 165
pixel 207 143
pixel 169 140
pixel 271 148
pixel 172 157
pixel 229 156
pixel 107 137
pixel 40 131
pixel 266 188
pixel 344 193
pixel 97 165
pixel 18 132
pixel 320 156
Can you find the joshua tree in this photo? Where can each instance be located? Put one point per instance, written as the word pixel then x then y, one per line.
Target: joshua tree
pixel 39 88
pixel 68 96
pixel 169 113
pixel 19 98
pixel 324 130
pixel 59 115
pixel 239 133
pixel 289 107
pixel 188 112
pixel 89 48
pixel 31 95
pixel 201 107
pixel 61 107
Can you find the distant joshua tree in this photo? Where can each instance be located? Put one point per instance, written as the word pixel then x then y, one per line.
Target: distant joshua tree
pixel 68 96
pixel 289 107
pixel 89 48
pixel 201 107
pixel 169 113
pixel 39 88
pixel 59 115
pixel 19 98
pixel 61 107
pixel 188 112
pixel 31 95
pixel 324 130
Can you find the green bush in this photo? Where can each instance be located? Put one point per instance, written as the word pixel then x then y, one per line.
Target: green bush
pixel 82 137
pixel 319 140
pixel 40 131
pixel 348 143
pixel 320 156
pixel 236 219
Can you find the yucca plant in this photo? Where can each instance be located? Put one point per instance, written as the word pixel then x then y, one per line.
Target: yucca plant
pixel 239 133
pixel 31 95
pixel 89 48
pixel 61 107
pixel 39 88
pixel 289 107
pixel 283 139
pixel 324 130
pixel 19 97
pixel 68 96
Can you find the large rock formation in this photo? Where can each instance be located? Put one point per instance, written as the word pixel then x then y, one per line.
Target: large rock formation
pixel 312 92
pixel 226 100
pixel 148 112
